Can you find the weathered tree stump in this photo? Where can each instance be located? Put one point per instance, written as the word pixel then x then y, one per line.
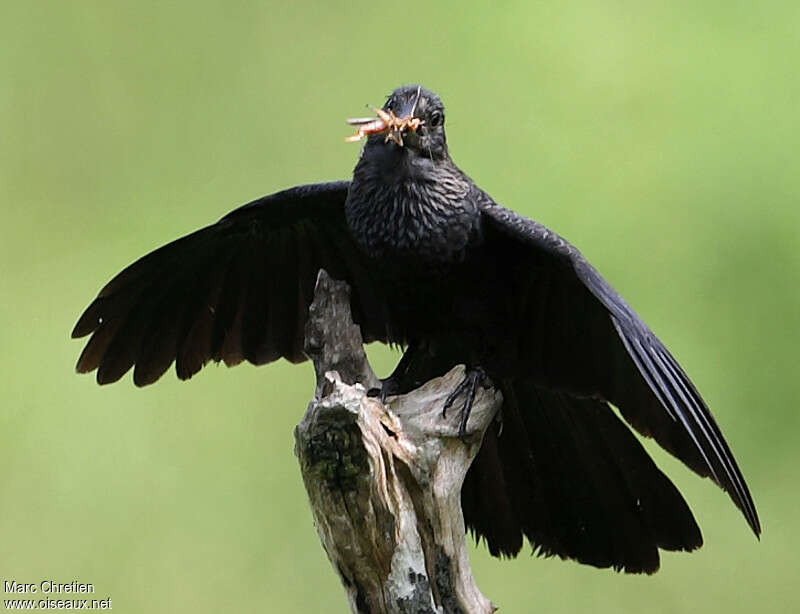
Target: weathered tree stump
pixel 384 482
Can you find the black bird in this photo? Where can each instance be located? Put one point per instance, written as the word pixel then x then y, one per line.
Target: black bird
pixel 435 265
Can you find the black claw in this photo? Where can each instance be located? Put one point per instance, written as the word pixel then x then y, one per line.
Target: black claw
pixel 473 390
pixel 393 385
pixel 389 387
pixel 451 398
pixel 469 386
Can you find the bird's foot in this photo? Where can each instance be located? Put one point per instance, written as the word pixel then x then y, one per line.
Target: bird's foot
pixel 473 378
pixel 390 387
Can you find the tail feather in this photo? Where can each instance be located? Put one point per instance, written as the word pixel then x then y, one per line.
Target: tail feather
pixel 567 473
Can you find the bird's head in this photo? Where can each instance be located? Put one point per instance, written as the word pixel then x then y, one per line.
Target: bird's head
pixel 412 120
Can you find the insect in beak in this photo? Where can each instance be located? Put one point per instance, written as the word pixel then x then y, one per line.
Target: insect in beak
pixel 386 122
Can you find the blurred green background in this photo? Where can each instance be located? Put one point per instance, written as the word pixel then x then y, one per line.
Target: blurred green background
pixel 661 138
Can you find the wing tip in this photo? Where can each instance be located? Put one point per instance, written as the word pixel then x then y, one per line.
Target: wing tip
pixel 81 368
pixel 752 518
pixel 83 327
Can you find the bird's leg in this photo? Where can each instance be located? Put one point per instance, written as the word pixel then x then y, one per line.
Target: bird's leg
pixel 469 387
pixel 391 385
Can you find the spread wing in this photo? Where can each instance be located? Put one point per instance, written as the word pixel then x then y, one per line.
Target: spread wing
pixel 236 290
pixel 584 338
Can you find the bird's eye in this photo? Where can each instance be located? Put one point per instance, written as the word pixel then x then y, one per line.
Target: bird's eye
pixel 435 119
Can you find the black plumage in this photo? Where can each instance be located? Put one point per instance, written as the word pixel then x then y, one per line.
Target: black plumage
pixel 437 266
